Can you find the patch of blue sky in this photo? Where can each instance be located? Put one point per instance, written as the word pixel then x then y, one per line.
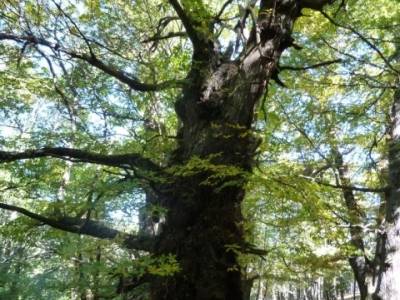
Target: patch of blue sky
pixel 123 211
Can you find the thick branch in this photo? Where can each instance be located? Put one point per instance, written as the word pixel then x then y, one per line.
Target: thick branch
pixel 186 20
pixel 86 227
pixel 194 28
pixel 122 76
pixel 118 160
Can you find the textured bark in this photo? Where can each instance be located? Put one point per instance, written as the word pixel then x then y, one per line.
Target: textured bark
pixel 217 111
pixel 388 281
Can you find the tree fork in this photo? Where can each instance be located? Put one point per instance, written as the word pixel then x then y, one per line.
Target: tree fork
pixel 203 225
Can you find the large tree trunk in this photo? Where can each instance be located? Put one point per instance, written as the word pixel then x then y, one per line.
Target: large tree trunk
pixel 204 187
pixel 203 225
pixel 388 281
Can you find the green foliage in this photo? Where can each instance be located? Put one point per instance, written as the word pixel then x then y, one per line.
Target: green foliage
pixel 293 209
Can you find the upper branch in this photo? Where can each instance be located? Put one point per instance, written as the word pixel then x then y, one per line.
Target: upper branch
pixel 93 60
pixel 87 227
pixel 314 66
pixel 217 18
pixel 166 36
pixel 348 187
pixel 117 160
pixel 186 20
pixel 197 25
pixel 315 4
pixel 365 40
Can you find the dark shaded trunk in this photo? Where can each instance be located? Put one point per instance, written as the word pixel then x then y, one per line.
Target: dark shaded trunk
pixel 203 225
pixel 388 279
pixel 247 285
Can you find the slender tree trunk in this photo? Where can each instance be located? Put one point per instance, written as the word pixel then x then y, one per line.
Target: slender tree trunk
pixel 15 285
pixel 359 263
pixel 388 281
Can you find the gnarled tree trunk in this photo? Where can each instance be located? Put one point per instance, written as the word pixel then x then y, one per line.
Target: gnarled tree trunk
pixel 204 221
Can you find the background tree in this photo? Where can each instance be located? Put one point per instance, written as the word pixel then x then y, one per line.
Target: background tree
pixel 335 124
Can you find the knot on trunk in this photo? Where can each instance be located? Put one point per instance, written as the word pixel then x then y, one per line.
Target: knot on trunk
pixel 213 90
